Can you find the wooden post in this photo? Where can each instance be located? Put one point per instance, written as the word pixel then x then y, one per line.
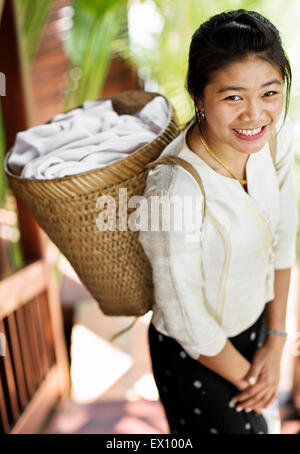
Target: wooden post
pixel 17 112
pixel 30 311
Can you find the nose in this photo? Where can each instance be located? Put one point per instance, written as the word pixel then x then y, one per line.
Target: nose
pixel 252 112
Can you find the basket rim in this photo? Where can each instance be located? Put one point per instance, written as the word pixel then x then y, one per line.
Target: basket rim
pixel 120 163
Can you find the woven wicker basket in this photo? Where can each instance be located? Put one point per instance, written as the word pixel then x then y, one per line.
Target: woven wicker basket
pixel 111 264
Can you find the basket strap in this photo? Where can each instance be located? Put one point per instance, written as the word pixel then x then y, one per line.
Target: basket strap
pixel 122 331
pixel 273 146
pixel 176 160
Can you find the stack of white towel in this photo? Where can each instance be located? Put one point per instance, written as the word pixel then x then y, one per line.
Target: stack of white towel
pixel 85 138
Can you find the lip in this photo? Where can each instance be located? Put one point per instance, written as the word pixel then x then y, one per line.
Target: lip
pixel 249 138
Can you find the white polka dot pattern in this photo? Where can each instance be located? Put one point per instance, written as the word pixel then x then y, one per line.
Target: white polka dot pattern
pixel 197 384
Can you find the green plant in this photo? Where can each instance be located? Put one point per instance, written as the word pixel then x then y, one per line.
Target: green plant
pixel 33 16
pixel 96 23
pixel 171 44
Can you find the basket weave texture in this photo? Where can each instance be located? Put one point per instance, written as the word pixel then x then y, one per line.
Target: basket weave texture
pixel 111 264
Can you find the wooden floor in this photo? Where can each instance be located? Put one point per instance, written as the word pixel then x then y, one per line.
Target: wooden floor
pixel 113 391
pixel 112 386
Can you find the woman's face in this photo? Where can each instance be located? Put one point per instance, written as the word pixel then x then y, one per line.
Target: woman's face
pixel 242 104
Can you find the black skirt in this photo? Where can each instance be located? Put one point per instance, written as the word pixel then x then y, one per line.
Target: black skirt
pixel 196 400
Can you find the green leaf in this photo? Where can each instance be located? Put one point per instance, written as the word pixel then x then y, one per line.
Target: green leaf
pixel 33 17
pixel 89 47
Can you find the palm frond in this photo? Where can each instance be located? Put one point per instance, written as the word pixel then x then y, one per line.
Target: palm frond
pixel 34 14
pixel 95 26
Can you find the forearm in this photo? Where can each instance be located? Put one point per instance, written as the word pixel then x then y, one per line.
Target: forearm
pixel 229 364
pixel 233 366
pixel 276 309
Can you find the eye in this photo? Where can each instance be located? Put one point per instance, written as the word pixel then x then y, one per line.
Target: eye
pixel 232 98
pixel 268 94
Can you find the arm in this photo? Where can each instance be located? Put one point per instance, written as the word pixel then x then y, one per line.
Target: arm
pixel 229 355
pixel 176 260
pixel 240 367
pixel 179 297
pixel 266 363
pixel 286 230
pixel 276 309
pixel 284 251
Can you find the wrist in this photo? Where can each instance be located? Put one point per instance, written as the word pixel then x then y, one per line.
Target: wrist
pixel 241 384
pixel 275 341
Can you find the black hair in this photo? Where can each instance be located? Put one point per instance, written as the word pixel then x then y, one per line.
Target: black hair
pixel 229 37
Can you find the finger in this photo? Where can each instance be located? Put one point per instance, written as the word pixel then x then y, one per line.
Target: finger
pixel 252 401
pixel 269 400
pixel 248 392
pixel 259 402
pixel 253 374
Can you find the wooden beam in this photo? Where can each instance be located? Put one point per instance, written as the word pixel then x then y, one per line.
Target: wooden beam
pixel 1 8
pixel 16 103
pixel 11 389
pixel 4 421
pixel 17 107
pixel 21 287
pixel 37 410
pixel 58 332
pixel 25 353
pixel 17 359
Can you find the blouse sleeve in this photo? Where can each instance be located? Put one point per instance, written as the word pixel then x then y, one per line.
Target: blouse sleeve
pixel 175 257
pixel 286 230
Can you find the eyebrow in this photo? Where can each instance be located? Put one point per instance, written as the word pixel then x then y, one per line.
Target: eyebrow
pixel 232 88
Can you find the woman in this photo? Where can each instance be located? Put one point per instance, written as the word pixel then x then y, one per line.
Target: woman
pixel 222 280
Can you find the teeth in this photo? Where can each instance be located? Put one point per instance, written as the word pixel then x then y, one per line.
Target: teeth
pixel 249 132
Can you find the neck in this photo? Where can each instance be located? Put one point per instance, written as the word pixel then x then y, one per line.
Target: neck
pixel 233 159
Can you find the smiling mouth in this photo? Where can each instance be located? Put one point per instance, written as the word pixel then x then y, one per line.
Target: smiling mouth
pixel 249 132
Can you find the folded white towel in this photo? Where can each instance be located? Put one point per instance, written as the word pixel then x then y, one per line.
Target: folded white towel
pixel 85 139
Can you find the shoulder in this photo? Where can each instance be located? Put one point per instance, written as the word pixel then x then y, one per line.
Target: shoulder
pixel 172 179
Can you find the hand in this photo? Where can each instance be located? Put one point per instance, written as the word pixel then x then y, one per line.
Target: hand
pixel 263 380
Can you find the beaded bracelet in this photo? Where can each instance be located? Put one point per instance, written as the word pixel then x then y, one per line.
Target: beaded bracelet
pixel 277 331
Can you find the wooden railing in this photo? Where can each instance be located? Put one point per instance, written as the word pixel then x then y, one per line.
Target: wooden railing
pixel 34 371
pixel 29 348
pixel 32 374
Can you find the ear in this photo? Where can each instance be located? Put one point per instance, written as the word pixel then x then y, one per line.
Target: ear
pixel 198 101
pixel 192 96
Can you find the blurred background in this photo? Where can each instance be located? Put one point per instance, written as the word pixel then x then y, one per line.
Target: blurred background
pixel 56 55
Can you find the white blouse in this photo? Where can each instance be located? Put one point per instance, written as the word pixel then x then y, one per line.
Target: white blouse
pixel 213 277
